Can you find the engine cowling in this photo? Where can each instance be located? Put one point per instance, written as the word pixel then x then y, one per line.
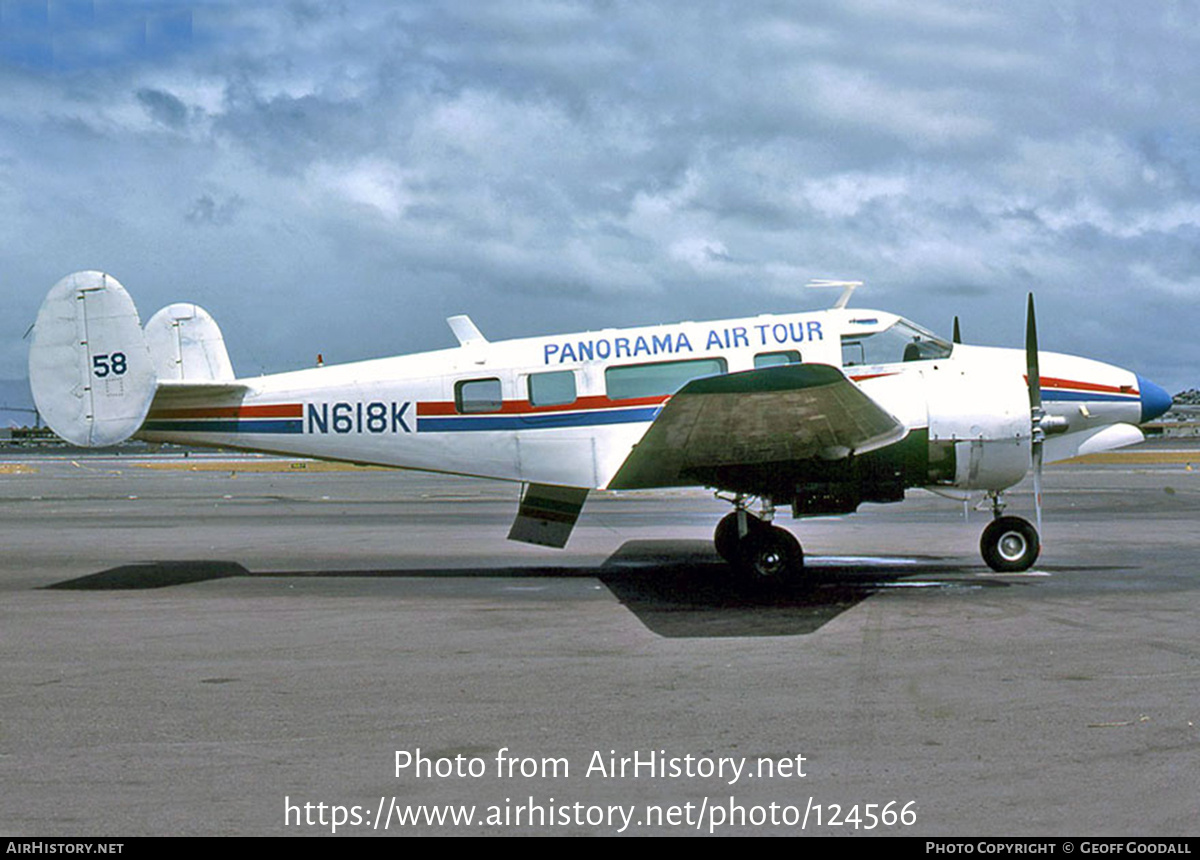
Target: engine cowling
pixel 979 428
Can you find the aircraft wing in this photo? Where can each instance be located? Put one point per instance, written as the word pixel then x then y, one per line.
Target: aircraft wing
pixel 785 414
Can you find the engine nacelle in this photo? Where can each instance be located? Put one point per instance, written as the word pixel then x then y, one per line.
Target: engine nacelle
pixel 979 428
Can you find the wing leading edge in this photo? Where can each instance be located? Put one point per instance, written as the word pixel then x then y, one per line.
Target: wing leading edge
pixel 786 415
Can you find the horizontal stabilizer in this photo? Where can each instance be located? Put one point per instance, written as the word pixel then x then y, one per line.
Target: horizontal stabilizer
pixel 547 515
pixel 204 387
pixel 781 414
pixel 89 367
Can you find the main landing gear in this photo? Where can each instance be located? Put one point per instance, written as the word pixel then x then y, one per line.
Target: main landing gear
pixel 765 553
pixel 757 549
pixel 1009 544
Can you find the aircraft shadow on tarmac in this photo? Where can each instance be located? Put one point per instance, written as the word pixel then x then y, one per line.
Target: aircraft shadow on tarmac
pixel 681 589
pixel 676 588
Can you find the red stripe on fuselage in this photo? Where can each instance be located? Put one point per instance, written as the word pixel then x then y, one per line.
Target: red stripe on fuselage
pixel 273 410
pixel 1053 382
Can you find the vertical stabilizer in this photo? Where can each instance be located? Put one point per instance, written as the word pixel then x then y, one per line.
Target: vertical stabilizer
pixel 186 345
pixel 89 366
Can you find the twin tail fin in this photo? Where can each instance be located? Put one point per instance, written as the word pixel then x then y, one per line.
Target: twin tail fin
pixel 95 371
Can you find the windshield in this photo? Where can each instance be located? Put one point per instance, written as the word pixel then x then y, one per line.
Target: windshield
pixel 901 341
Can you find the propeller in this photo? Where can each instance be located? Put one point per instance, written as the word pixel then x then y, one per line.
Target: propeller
pixel 1041 424
pixel 957 336
pixel 1036 413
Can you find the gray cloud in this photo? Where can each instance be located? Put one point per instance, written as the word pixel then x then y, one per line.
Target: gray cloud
pixel 206 210
pixel 163 107
pixel 560 165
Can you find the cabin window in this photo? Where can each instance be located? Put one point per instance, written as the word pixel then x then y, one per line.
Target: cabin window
pixel 853 352
pixel 663 377
pixel 774 359
pixel 478 395
pixel 552 389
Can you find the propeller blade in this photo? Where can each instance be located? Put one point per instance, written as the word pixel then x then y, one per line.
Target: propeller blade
pixel 1036 414
pixel 957 333
pixel 1031 359
pixel 1037 483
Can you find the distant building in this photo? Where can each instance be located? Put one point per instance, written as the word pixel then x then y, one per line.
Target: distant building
pixel 1183 419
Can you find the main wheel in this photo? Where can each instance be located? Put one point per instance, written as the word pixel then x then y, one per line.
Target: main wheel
pixel 1010 544
pixel 726 537
pixel 770 554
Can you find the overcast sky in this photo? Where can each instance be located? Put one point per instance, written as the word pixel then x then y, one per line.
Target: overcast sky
pixel 339 178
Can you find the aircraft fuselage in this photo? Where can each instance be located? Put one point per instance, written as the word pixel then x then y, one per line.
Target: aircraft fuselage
pixel 568 409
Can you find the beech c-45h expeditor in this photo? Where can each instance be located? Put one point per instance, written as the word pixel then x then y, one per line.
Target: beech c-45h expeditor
pixel 815 411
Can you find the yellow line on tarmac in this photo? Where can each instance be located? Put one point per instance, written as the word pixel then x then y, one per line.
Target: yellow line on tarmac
pixel 1134 458
pixel 189 465
pixel 17 469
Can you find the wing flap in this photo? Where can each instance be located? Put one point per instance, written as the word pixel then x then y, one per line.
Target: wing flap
pixel 547 515
pixel 776 414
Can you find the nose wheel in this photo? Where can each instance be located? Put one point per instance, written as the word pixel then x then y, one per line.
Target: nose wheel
pixel 1010 545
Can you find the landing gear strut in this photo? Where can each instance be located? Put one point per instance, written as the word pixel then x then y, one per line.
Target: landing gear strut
pixel 757 549
pixel 1009 544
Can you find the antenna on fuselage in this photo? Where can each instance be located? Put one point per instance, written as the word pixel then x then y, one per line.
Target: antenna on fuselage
pixel 467 332
pixel 848 287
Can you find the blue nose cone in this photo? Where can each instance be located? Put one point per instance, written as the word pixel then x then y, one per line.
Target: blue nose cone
pixel 1155 400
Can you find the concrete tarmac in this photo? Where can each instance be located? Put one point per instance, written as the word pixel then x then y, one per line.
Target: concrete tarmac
pixel 206 648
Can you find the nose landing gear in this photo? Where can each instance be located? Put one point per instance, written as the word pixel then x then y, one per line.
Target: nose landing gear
pixel 1008 544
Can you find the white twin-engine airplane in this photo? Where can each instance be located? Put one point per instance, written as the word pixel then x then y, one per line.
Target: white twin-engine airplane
pixel 818 411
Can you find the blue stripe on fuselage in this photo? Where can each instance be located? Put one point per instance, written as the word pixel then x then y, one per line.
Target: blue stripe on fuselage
pixel 1054 394
pixel 459 423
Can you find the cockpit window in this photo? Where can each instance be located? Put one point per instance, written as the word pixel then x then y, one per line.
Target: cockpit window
pixel 901 341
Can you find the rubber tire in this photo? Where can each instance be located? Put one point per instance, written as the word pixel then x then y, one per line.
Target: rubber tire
pixel 725 537
pixel 770 555
pixel 1010 545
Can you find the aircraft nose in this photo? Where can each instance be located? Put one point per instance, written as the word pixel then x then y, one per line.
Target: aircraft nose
pixel 1155 400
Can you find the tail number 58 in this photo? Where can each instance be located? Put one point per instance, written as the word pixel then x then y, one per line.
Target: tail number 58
pixel 103 365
